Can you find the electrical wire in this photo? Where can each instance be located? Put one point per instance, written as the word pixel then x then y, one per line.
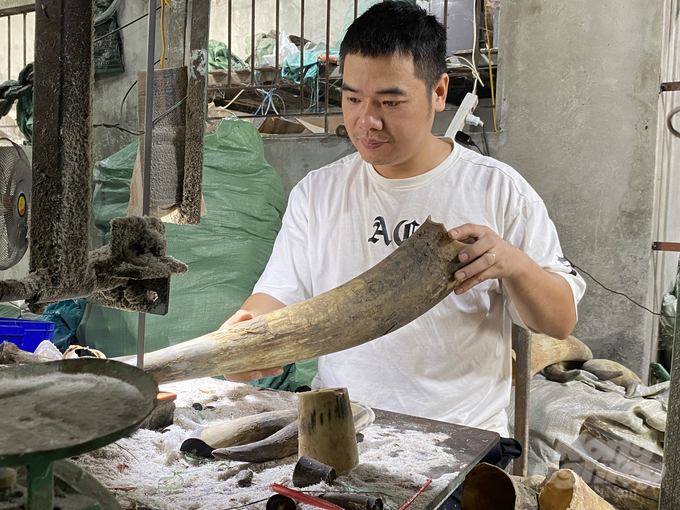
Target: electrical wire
pixel 247 504
pixel 235 98
pixel 170 110
pixel 463 62
pixel 488 52
pixel 124 26
pixel 154 122
pixel 474 44
pixel 486 143
pixel 126 129
pixel 119 127
pixel 616 292
pixel 268 98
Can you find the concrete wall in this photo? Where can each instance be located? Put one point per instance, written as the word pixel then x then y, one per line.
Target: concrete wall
pixel 578 90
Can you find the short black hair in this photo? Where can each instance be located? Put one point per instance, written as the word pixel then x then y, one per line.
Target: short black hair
pixel 399 28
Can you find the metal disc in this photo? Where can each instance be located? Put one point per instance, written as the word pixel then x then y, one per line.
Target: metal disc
pixel 54 410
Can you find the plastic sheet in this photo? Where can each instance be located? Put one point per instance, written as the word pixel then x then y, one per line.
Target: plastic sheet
pixel 66 316
pixel 225 253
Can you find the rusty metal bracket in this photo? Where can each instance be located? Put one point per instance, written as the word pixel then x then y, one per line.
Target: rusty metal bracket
pixel 670 86
pixel 664 246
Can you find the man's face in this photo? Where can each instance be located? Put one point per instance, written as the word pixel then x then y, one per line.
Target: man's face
pixel 387 109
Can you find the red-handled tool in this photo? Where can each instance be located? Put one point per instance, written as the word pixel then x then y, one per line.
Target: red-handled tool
pixel 429 481
pixel 304 498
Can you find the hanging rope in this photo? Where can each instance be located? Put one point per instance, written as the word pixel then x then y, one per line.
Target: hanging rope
pixel 12 90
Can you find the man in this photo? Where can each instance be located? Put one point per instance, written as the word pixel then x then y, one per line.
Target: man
pixel 454 362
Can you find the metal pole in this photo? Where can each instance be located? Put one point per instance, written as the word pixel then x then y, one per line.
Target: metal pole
pixel 148 132
pixel 479 12
pixel 446 18
pixel 276 57
pixel 328 62
pixel 302 55
pixel 24 39
pixel 9 48
pixel 229 44
pixel 252 44
pixel 521 343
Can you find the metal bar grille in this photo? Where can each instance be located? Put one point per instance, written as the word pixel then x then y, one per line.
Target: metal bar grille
pixel 17 51
pixel 263 86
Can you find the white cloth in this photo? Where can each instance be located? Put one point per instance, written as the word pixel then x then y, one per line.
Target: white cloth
pixel 454 362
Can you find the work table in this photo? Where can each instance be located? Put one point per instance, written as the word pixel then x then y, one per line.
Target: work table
pixel 397 455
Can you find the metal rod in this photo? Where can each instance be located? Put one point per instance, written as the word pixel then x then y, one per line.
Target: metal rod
pixel 229 43
pixel 478 7
pixel 328 63
pixel 276 57
pixel 263 116
pixel 24 15
pixel 252 44
pixel 446 18
pixel 521 343
pixel 141 332
pixel 302 55
pixel 238 88
pixel 9 48
pixel 148 132
pixel 356 8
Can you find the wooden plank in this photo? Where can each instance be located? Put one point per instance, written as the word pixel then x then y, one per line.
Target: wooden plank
pixel 521 344
pixel 670 483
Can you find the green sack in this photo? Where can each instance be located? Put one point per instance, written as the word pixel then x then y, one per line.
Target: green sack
pixel 226 252
pixel 219 55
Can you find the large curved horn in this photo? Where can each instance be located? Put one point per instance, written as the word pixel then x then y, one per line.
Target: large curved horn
pixel 399 289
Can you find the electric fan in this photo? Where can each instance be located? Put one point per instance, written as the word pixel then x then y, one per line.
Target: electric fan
pixel 15 199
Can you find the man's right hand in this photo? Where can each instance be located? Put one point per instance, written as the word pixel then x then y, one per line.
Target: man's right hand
pixel 244 377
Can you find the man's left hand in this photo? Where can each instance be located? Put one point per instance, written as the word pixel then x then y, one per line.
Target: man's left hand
pixel 492 256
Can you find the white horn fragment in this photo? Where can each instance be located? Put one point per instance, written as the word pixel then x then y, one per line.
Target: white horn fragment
pixel 402 287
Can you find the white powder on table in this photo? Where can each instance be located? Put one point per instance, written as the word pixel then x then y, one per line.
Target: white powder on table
pixel 147 470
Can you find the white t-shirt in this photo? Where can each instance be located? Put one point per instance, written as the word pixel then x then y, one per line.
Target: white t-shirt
pixel 454 362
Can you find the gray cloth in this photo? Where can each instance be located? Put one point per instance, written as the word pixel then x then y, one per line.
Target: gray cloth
pixel 558 411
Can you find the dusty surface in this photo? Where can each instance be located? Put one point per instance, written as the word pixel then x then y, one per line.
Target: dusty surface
pixel 148 470
pixel 60 410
